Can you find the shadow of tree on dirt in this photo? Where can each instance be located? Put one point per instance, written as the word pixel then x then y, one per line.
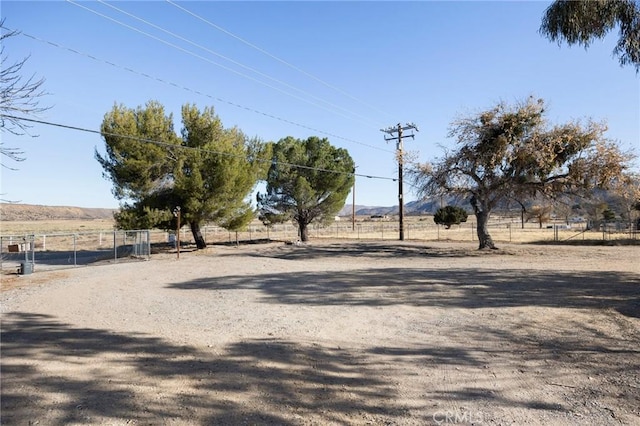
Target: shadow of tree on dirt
pixel 73 375
pixel 571 374
pixel 601 362
pixel 462 288
pixel 370 249
pixel 251 382
pixel 66 374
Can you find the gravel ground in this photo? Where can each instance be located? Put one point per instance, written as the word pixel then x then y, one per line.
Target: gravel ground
pixel 329 333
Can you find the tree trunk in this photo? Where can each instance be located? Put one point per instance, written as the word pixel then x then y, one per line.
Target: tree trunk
pixel 304 231
pixel 197 235
pixel 482 217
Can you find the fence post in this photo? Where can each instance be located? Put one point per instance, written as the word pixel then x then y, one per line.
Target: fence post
pixel 33 252
pixel 44 243
pixel 115 247
pixel 75 250
pixel 29 243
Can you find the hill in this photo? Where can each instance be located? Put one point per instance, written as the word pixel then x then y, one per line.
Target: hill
pixel 13 212
pixel 30 212
pixel 428 206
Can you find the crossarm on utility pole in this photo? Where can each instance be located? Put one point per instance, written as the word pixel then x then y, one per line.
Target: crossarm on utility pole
pixel 400 154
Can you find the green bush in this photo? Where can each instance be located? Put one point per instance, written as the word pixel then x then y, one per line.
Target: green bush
pixel 450 215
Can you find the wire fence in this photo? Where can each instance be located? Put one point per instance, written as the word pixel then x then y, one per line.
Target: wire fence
pixel 25 253
pixel 64 250
pixel 501 231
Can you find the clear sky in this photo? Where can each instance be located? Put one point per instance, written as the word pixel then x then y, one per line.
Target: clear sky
pixel 341 70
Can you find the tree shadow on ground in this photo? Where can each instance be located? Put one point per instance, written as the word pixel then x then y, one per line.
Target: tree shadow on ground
pixel 461 288
pixel 576 347
pixel 564 376
pixel 57 373
pixel 370 249
pixel 84 375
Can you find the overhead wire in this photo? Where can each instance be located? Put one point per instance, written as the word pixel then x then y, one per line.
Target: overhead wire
pixel 290 65
pixel 175 46
pixel 206 49
pixel 170 145
pixel 198 92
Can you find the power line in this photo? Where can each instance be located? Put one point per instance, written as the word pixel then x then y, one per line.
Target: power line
pixel 197 92
pixel 206 49
pixel 170 145
pixel 210 61
pixel 313 77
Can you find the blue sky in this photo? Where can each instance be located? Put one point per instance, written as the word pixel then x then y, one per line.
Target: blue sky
pixel 345 69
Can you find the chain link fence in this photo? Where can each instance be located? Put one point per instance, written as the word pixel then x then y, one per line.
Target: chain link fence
pixel 25 253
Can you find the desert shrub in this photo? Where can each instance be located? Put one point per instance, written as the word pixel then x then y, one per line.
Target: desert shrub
pixel 450 215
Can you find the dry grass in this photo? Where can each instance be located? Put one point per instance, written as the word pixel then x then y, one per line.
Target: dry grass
pixel 416 228
pixel 55 226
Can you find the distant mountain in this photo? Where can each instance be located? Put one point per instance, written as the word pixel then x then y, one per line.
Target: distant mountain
pixel 414 207
pixel 428 206
pixel 29 212
pixel 374 211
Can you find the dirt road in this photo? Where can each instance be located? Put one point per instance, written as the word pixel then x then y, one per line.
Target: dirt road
pixel 329 333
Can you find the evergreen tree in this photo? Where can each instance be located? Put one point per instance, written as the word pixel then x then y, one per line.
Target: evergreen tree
pixel 583 21
pixel 308 181
pixel 209 172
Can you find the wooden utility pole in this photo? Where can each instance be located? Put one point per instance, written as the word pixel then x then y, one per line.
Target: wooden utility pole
pixel 400 154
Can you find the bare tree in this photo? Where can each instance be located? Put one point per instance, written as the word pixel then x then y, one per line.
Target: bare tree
pixel 511 152
pixel 540 212
pixel 19 97
pixel 627 196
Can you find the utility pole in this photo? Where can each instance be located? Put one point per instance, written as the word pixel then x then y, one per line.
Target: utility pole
pixel 399 128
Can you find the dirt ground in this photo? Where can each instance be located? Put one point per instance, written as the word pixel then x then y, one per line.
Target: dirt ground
pixel 380 333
